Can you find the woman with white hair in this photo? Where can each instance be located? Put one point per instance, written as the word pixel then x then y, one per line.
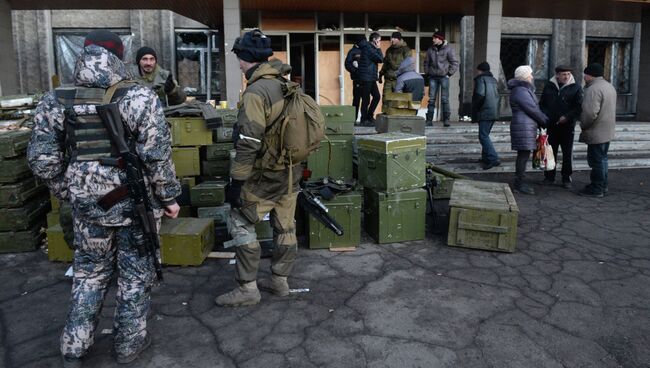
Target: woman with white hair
pixel 526 117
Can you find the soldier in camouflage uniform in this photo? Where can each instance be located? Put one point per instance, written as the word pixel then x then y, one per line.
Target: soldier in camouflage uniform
pixel 396 53
pixel 255 190
pixel 105 239
pixel 147 71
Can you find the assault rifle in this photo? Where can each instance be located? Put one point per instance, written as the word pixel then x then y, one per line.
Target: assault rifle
pixel 136 188
pixel 310 203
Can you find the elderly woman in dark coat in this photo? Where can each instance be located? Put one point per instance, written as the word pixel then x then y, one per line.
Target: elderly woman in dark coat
pixel 526 117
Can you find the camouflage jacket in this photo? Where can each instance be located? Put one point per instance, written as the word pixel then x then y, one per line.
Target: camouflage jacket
pixel 83 183
pixel 394 57
pixel 156 81
pixel 261 105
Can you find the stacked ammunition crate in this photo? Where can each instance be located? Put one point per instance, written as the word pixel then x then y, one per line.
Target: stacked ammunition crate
pixel 334 160
pixel 401 115
pixel 392 171
pixel 23 200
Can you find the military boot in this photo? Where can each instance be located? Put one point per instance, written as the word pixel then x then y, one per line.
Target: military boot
pixel 126 359
pixel 244 294
pixel 277 285
pixel 69 362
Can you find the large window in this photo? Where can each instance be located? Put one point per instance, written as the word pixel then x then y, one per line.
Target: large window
pixel 68 45
pixel 198 63
pixel 525 50
pixel 615 56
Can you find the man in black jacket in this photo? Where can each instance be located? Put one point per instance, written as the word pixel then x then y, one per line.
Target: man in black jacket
pixel 561 101
pixel 370 56
pixel 485 102
pixel 352 66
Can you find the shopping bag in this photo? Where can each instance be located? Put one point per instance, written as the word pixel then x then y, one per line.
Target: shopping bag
pixel 543 158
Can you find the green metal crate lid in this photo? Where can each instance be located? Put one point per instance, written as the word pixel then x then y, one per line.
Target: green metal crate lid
pixel 388 142
pixel 482 195
pixel 185 226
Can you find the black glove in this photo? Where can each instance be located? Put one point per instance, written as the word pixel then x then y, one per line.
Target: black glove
pixel 169 84
pixel 233 194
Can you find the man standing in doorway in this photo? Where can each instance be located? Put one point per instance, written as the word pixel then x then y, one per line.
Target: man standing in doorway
pixel 147 71
pixel 396 53
pixel 440 63
pixel 598 124
pixel 257 189
pixel 370 56
pixel 561 101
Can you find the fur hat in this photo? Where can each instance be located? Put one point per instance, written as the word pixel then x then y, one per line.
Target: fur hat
pixel 253 46
pixel 106 39
pixel 522 72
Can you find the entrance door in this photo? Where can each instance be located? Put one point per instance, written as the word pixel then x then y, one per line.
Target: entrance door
pixel 330 75
pixel 302 60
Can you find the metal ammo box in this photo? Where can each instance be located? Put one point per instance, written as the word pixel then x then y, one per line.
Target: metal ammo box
pixel 13 169
pixel 346 210
pixel 17 194
pixel 483 215
pixel 400 123
pixel 216 168
pixel 395 217
pixel 208 194
pixel 186 241
pixel 218 151
pixel 442 181
pixel 392 162
pixel 186 160
pixel 339 119
pixel 57 248
pixel 189 131
pixel 24 218
pixel 21 241
pixel 333 158
pixel 14 142
pixel 219 214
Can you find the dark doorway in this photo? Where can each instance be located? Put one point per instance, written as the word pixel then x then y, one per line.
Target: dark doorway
pixel 303 61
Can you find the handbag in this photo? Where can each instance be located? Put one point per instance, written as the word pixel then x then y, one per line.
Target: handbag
pixel 543 158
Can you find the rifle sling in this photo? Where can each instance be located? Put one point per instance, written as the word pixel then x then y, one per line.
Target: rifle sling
pixel 114 196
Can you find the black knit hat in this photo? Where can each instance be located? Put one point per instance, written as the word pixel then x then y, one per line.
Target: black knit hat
pixel 595 70
pixel 484 66
pixel 397 35
pixel 253 46
pixel 439 35
pixel 106 39
pixel 145 50
pixel 563 68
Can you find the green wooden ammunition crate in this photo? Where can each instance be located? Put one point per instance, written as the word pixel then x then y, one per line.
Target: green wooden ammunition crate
pixel 187 161
pixel 14 142
pixel 219 214
pixel 482 215
pixel 23 218
pixel 392 162
pixel 395 217
pixel 186 241
pixel 218 151
pixel 57 249
pixel 398 96
pixel 208 194
pixel 17 194
pixel 189 131
pixel 346 210
pixel 401 111
pixel 264 230
pixel 22 241
pixel 333 158
pixel 339 119
pixel 404 124
pixel 216 168
pixel 13 169
pixel 222 134
pixel 442 181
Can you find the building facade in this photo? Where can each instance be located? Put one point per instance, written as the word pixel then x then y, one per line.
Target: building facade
pixel 315 44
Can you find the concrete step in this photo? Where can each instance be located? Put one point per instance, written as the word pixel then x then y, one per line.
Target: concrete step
pixel 512 155
pixel 504 147
pixel 578 165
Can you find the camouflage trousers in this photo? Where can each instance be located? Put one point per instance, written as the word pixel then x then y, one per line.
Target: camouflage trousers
pixel 389 86
pixel 98 251
pixel 242 229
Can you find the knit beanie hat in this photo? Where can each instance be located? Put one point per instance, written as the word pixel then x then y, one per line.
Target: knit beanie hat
pixel 439 35
pixel 397 35
pixel 142 51
pixel 253 46
pixel 484 66
pixel 595 70
pixel 522 72
pixel 106 39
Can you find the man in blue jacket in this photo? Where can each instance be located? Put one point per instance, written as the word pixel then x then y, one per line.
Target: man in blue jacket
pixel 352 66
pixel 370 56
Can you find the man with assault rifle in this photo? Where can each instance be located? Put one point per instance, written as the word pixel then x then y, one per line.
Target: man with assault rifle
pixel 104 146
